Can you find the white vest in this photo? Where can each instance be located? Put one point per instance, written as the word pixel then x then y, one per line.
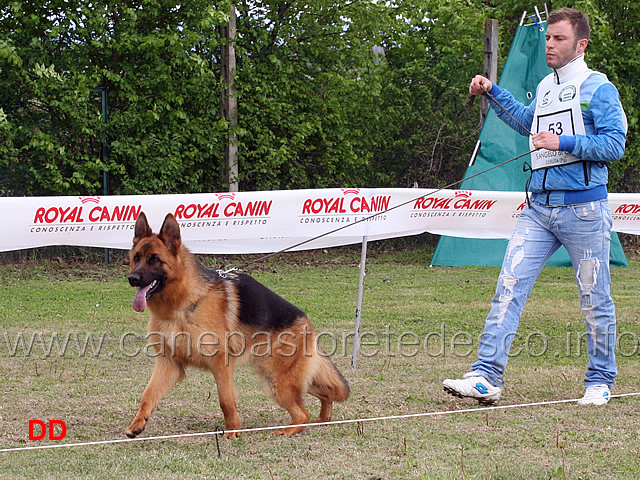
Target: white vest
pixel 558 111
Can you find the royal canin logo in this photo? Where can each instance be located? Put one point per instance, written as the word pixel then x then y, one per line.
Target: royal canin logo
pixel 223 208
pixel 627 208
pixel 226 196
pixel 86 213
pixel 460 201
pixel 349 203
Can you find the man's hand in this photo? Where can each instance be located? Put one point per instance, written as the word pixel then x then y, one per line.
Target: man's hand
pixel 479 85
pixel 546 140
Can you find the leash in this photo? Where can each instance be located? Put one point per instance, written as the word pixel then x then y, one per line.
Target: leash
pixel 223 273
pixel 493 99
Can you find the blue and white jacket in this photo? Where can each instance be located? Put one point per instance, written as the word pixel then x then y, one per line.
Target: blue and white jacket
pixel 605 126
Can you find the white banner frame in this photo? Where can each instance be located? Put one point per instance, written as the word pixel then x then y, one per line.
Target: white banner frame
pixel 269 221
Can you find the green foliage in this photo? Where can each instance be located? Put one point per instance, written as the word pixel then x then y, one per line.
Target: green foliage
pixel 360 93
pixel 429 130
pixel 308 79
pixel 615 50
pixel 157 62
pixel 366 93
pixel 165 121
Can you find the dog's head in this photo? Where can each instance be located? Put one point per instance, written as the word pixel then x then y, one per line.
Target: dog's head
pixel 152 258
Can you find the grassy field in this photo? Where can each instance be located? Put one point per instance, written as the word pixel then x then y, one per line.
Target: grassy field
pixel 419 325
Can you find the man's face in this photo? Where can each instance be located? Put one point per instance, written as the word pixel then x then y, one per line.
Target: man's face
pixel 561 46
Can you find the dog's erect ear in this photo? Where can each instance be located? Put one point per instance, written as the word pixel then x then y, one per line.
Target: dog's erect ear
pixel 170 233
pixel 142 228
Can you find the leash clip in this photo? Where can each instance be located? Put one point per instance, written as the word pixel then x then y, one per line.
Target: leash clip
pixel 223 273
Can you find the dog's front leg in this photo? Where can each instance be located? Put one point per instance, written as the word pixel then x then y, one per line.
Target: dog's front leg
pixel 166 373
pixel 223 373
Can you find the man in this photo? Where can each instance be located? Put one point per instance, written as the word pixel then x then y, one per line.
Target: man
pixel 577 125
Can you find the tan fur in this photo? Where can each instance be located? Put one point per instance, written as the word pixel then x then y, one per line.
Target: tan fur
pixel 188 314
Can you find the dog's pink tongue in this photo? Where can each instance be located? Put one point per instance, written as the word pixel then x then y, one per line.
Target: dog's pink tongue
pixel 140 302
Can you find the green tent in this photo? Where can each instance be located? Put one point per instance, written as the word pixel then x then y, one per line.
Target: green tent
pixel 525 67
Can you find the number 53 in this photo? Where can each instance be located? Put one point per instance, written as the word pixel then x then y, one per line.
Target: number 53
pixel 556 128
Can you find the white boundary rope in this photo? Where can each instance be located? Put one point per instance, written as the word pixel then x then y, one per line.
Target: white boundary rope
pixel 318 424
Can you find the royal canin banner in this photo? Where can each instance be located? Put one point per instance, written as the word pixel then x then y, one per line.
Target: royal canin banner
pixel 261 222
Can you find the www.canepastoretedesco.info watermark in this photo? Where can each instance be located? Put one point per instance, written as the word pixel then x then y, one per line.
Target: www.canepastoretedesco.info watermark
pixel 439 343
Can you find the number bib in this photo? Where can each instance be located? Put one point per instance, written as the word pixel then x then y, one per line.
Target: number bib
pixel 557 111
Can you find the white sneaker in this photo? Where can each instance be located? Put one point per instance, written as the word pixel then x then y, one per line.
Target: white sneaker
pixel 596 395
pixel 473 385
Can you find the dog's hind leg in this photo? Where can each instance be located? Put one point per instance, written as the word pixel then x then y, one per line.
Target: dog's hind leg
pixel 166 374
pixel 326 402
pixel 328 385
pixel 289 397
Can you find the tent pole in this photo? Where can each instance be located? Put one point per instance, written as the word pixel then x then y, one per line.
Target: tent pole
pixel 524 15
pixel 356 336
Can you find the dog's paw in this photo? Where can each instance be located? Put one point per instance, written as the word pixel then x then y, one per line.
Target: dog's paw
pixel 129 432
pixel 135 429
pixel 287 432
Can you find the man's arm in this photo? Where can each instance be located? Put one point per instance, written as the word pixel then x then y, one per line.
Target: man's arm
pixel 606 126
pixel 519 111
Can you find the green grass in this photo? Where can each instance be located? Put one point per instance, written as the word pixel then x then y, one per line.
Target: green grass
pixel 97 395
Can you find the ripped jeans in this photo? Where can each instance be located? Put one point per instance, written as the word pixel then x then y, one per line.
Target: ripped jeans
pixel 585 231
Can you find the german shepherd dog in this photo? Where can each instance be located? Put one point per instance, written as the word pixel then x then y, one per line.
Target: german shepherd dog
pixel 200 318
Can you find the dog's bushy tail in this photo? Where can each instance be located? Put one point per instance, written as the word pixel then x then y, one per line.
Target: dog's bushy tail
pixel 328 378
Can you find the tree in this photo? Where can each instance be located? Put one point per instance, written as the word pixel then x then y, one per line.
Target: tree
pixel 356 93
pixel 156 59
pixel 308 78
pixel 45 132
pixel 362 92
pixel 429 128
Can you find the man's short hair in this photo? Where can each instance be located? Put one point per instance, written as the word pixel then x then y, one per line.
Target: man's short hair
pixel 578 20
